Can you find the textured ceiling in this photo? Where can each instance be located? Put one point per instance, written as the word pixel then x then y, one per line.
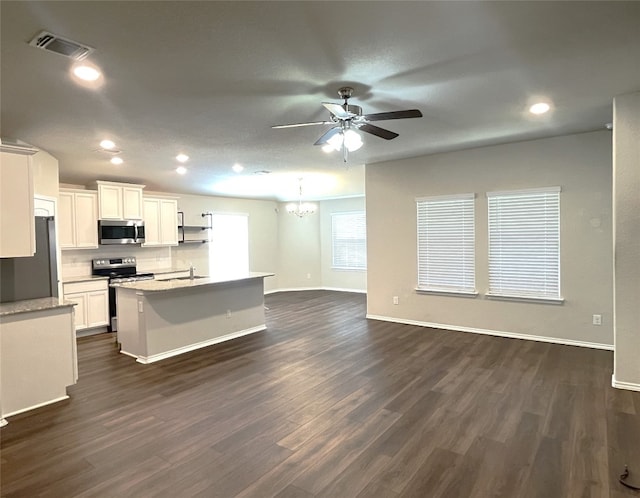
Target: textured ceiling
pixel 211 78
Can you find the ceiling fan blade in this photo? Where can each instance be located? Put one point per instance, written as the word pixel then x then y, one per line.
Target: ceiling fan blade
pixel 325 138
pixel 295 125
pixel 380 116
pixel 377 131
pixel 337 110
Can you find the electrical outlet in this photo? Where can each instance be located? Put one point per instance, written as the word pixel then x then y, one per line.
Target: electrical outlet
pixel 228 313
pixel 396 300
pixel 308 276
pixel 597 319
pixel 140 310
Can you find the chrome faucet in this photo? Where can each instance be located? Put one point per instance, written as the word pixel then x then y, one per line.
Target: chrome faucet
pixel 191 270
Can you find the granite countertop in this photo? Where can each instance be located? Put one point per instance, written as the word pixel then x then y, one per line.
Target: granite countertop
pixel 29 305
pixel 198 281
pixel 83 278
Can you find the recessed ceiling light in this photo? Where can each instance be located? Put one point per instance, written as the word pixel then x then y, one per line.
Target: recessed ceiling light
pixel 539 108
pixel 87 72
pixel 116 160
pixel 107 144
pixel 237 167
pixel 181 170
pixel 183 158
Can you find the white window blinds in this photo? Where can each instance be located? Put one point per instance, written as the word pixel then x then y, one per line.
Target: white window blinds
pixel 524 243
pixel 349 240
pixel 446 243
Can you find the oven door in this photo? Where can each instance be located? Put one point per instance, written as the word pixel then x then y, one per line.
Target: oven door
pixel 115 232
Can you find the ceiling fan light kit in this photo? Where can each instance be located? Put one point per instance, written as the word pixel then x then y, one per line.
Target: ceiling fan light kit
pixel 346 119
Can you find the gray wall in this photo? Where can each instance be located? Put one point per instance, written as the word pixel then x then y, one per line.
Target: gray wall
pixel 626 202
pixel 263 224
pixel 298 250
pixel 305 249
pixel 351 280
pixel 580 164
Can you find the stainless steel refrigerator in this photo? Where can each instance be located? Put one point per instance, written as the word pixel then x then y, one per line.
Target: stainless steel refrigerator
pixel 35 276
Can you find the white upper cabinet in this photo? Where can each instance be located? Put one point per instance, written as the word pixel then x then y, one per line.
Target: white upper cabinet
pixel 132 203
pixel 17 223
pixel 119 201
pixel 78 214
pixel 160 221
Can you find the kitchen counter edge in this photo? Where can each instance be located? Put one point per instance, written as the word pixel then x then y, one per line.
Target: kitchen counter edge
pixel 83 278
pixel 167 285
pixel 31 305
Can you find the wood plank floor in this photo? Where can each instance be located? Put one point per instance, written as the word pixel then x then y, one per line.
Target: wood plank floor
pixel 328 404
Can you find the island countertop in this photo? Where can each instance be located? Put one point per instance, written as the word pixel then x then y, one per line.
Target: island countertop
pixel 186 282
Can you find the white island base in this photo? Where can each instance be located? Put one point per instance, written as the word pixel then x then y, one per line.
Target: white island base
pixel 159 319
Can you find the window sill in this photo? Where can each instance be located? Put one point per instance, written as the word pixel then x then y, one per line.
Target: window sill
pixel 338 268
pixel 447 292
pixel 526 299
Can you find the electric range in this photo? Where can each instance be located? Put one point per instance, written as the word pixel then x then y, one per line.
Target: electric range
pixel 119 270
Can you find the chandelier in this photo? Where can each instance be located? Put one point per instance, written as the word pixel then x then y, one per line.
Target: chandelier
pixel 300 208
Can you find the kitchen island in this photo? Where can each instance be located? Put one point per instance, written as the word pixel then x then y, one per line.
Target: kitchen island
pixel 158 319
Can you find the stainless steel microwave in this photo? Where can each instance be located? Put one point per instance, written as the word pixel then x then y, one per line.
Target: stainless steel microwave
pixel 111 232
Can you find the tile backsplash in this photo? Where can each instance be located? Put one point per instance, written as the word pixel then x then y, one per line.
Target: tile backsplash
pixel 77 262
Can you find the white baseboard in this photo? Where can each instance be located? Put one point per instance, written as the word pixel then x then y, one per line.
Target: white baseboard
pixel 629 386
pixel 191 347
pixel 341 289
pixel 33 407
pixel 298 289
pixel 499 333
pixel 93 331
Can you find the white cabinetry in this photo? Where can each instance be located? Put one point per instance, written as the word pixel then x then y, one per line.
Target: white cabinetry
pixel 161 221
pixel 92 302
pixel 17 224
pixel 78 213
pixel 119 201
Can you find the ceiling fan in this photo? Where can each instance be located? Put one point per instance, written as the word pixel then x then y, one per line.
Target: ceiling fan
pixel 348 118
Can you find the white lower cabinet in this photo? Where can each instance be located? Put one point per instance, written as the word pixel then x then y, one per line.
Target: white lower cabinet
pixel 92 303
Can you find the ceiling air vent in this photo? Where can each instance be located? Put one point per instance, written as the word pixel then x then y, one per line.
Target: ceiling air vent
pixel 59 45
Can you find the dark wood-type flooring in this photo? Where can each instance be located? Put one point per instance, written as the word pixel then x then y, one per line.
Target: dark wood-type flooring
pixel 326 403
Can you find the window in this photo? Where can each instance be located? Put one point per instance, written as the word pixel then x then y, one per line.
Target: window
pixel 349 240
pixel 524 243
pixel 446 244
pixel 229 245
